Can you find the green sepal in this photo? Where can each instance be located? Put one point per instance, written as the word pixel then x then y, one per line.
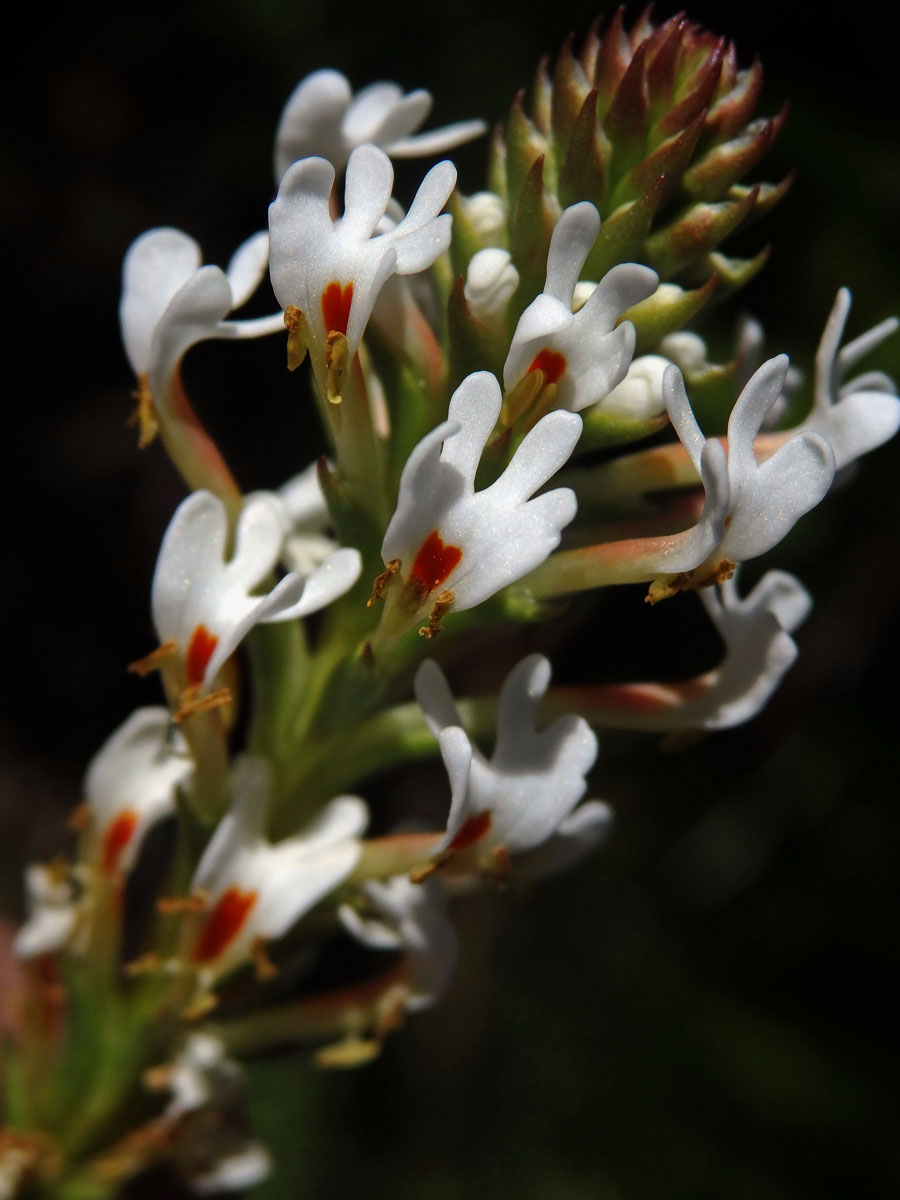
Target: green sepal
pixel 569 86
pixel 729 114
pixel 532 224
pixel 670 159
pixel 622 235
pixel 524 145
pixel 694 233
pixel 496 172
pixel 611 55
pixel 711 177
pixel 732 273
pixel 626 122
pixel 472 347
pixel 582 175
pixel 465 242
pixel 702 86
pixel 670 308
pixel 604 430
pixel 542 101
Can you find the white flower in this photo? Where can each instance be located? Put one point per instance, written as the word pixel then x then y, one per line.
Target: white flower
pixel 640 394
pixel 407 917
pixel 858 415
pixel 585 353
pixel 131 784
pixel 257 890
pixel 444 534
pixel 491 280
pixel 203 603
pixel 534 779
pixel 764 500
pixel 305 521
pixel 486 215
pixel 322 117
pixel 331 271
pixel 52 912
pixel 170 302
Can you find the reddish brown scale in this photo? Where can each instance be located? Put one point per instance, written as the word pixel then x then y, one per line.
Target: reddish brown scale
pixel 223 924
pixel 474 828
pixel 551 363
pixel 336 301
pixel 199 652
pixel 434 562
pixel 118 834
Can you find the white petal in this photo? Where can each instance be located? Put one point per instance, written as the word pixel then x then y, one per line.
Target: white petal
pixel 380 113
pixel 367 191
pixel 436 141
pixel 570 243
pixel 192 552
pixel 247 268
pixel 157 264
pixel 434 697
pixel 311 121
pixel 193 314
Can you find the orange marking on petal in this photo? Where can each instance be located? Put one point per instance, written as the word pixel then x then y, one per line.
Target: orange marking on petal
pixel 473 830
pixel 199 652
pixel 223 924
pixel 551 363
pixel 119 833
pixel 336 301
pixel 434 562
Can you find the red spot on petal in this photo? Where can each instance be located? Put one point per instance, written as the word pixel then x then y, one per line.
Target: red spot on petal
pixel 119 833
pixel 473 830
pixel 434 562
pixel 223 924
pixel 552 363
pixel 336 301
pixel 199 652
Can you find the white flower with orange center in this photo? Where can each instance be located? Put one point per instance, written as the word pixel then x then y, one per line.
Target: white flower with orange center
pixel 323 117
pixel 584 354
pixel 131 784
pixel 203 603
pixel 255 890
pixel 765 500
pixel 170 302
pixel 445 536
pixel 528 789
pixel 326 272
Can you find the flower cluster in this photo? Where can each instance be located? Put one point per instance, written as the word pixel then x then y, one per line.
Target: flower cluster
pixel 468 366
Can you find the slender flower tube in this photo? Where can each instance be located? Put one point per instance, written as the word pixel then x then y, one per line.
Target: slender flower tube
pixel 202 604
pixel 327 273
pixel 584 354
pixel 534 779
pixel 131 784
pixel 447 540
pixel 758 652
pixel 256 890
pixel 323 117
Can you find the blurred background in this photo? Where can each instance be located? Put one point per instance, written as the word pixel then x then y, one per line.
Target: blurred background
pixel 706 1009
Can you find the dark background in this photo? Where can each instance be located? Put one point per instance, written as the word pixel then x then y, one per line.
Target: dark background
pixel 708 1008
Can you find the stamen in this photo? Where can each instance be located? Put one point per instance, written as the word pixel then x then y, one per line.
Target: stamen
pixel 434 563
pixel 199 652
pixel 551 363
pixel 383 582
pixel 295 324
pixel 171 906
pixel 154 659
pixel 263 967
pixel 118 834
pixel 190 704
pixel 144 415
pixel 336 301
pixel 223 924
pixel 442 605
pixel 337 354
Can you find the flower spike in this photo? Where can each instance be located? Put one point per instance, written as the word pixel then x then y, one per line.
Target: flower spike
pixel 445 535
pixel 534 779
pixel 327 273
pixel 322 117
pixel 585 354
pixel 204 605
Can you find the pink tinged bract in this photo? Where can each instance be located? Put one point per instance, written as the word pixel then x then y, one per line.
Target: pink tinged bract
pixel 534 779
pixel 501 532
pixel 196 588
pixel 590 354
